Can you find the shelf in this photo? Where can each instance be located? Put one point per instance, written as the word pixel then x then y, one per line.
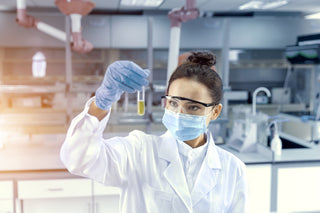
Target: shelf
pixel 90 61
pixel 35 129
pixel 25 89
pixel 30 110
pixel 50 79
pixel 247 64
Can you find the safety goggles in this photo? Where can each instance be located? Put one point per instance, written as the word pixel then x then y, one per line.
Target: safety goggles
pixel 185 105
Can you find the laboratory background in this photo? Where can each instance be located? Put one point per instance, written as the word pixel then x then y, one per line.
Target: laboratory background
pixel 53 55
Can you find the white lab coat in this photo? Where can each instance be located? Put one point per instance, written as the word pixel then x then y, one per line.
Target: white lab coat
pixel 149 172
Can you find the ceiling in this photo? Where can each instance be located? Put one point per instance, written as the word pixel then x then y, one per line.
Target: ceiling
pixel 215 6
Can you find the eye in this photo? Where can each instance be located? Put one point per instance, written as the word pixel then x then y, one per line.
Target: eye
pixel 173 103
pixel 194 107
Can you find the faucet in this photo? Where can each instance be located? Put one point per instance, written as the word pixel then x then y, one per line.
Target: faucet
pixel 254 97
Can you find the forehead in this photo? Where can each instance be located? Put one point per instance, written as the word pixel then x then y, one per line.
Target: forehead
pixel 191 89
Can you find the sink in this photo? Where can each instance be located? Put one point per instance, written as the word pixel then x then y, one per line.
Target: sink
pixel 287 144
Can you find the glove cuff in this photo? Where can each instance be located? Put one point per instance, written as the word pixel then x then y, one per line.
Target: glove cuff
pixel 105 98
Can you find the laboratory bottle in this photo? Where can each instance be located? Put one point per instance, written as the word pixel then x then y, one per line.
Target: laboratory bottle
pixel 276 144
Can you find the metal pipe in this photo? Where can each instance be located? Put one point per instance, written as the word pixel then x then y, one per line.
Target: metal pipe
pixel 225 53
pixel 52 31
pixel 150 67
pixel 68 71
pixel 225 65
pixel 177 16
pixel 76 9
pixel 173 50
pixel 191 4
pixel 254 97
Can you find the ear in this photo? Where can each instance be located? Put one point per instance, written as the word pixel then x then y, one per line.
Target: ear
pixel 216 111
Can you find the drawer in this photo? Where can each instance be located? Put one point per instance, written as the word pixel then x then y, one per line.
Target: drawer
pixel 32 189
pixel 6 190
pixel 6 206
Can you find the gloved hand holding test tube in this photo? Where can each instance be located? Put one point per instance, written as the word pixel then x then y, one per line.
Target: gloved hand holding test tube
pixel 121 76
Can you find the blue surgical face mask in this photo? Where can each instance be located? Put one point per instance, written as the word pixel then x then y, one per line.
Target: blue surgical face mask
pixel 184 127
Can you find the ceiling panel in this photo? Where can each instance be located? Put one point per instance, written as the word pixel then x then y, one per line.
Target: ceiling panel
pixel 169 4
pixel 305 6
pixel 107 4
pixel 221 5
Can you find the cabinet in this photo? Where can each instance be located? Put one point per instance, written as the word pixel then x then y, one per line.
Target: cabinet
pixel 32 105
pixel 6 197
pixel 66 196
pixel 259 183
pixel 298 189
pixel 106 199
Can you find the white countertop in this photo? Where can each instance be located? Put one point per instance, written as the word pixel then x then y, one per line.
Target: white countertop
pixel 37 156
pixel 264 155
pixel 45 156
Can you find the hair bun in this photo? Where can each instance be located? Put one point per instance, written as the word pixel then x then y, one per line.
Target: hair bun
pixel 203 58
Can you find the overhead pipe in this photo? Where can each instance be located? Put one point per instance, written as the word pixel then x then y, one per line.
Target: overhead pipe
pixel 75 8
pixel 177 16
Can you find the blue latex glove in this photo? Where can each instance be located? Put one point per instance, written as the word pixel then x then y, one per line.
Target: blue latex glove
pixel 121 76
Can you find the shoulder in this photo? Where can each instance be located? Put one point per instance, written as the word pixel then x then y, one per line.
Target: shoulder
pixel 142 136
pixel 230 162
pixel 145 140
pixel 228 155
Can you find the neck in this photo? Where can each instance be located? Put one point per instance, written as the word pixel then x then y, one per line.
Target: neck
pixel 199 141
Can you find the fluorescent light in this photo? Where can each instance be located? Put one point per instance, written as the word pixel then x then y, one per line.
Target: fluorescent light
pixel 251 5
pixel 274 4
pixel 263 4
pixel 141 3
pixel 313 16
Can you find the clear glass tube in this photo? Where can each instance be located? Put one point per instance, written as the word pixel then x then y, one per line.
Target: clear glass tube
pixel 140 101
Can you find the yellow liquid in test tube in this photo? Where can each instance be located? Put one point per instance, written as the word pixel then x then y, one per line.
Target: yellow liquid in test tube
pixel 140 102
pixel 140 107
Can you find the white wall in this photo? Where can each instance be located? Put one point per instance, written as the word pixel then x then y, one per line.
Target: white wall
pixel 131 31
pixel 13 35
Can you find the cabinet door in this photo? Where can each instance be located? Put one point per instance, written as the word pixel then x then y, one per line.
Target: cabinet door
pixel 6 206
pixel 58 205
pixel 107 203
pixel 259 180
pixel 106 198
pixel 6 197
pixel 55 196
pixel 63 188
pixel 299 189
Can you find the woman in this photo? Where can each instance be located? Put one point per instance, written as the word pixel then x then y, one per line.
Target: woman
pixel 179 171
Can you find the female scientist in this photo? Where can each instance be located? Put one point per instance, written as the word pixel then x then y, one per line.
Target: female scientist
pixel 179 171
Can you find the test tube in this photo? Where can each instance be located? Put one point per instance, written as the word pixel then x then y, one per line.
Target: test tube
pixel 140 101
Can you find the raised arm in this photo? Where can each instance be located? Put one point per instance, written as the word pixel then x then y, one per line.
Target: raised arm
pixel 84 151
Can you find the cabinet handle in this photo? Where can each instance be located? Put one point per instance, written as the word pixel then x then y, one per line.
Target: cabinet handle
pixel 97 207
pixel 89 208
pixel 55 189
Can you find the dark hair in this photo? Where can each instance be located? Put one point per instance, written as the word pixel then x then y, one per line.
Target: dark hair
pixel 198 68
pixel 202 57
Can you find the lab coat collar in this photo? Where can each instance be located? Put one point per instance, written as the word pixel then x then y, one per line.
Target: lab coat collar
pixel 208 174
pixel 207 177
pixel 212 156
pixel 174 173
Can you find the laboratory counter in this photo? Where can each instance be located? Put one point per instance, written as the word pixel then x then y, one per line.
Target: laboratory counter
pixel 45 155
pixel 264 155
pixel 270 178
